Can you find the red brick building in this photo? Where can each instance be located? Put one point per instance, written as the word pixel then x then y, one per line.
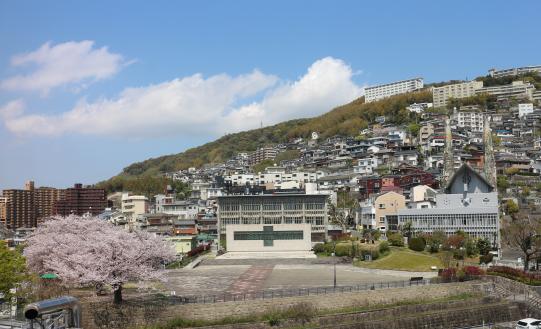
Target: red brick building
pixel 79 200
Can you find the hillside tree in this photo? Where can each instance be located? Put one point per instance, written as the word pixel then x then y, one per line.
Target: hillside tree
pixel 12 270
pixel 523 233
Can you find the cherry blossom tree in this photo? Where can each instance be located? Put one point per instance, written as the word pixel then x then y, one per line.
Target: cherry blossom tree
pixel 91 252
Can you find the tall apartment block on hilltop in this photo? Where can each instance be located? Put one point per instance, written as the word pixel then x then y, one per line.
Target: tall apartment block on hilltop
pixel 458 90
pixel 514 71
pixel 375 93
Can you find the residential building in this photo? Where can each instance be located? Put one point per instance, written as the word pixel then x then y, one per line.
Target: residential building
pixel 536 96
pixel 469 204
pixel 514 71
pixel 366 165
pixel 473 121
pixel 440 95
pixel 79 200
pixel 419 107
pixel 3 210
pixel 369 186
pixel 273 213
pixel 517 89
pixel 375 93
pixel 524 109
pixel 134 205
pixel 184 209
pixel 261 154
pixel 424 133
pixel 239 179
pixel 367 214
pixel 44 201
pixel 20 211
pixel 387 204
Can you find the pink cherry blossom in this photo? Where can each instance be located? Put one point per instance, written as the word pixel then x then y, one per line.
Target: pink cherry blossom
pixel 92 252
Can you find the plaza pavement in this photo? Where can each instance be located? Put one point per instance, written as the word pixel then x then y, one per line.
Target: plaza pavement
pixel 245 276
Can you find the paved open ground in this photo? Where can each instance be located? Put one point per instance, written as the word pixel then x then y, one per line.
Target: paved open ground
pixel 246 276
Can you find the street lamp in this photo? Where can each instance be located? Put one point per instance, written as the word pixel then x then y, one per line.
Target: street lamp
pixel 334 261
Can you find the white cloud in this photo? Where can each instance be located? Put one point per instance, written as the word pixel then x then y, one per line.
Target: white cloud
pixel 193 105
pixel 63 64
pixel 326 84
pixel 12 109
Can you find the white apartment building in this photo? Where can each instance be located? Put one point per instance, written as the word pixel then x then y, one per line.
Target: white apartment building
pixel 474 121
pixel 375 93
pixel 169 205
pixel 240 179
pixel 419 107
pixel 440 95
pixel 133 206
pixel 366 165
pixel 515 89
pixel 514 71
pixel 524 109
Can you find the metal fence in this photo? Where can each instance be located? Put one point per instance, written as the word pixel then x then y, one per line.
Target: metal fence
pixel 270 294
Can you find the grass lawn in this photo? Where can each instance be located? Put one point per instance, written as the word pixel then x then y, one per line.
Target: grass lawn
pixel 405 260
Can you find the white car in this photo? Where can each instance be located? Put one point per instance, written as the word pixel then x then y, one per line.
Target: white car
pixel 528 323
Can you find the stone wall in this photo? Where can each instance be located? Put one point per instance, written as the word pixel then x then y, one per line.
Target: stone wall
pixel 133 313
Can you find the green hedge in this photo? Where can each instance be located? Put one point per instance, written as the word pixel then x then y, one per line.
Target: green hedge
pixel 417 244
pixel 396 239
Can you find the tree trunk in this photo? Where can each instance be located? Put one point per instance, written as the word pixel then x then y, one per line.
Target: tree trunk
pixel 118 295
pixel 526 262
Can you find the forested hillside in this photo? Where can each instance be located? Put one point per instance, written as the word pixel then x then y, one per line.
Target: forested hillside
pixel 345 120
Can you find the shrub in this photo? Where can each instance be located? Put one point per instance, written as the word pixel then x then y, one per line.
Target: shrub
pixel 343 249
pixel 302 312
pixel 471 247
pixel 329 248
pixel 515 274
pixel 372 252
pixel 485 259
pixel 384 247
pixel 396 239
pixel 459 254
pixel 417 244
pixel 319 248
pixel 434 247
pixel 448 273
pixel 483 245
pixel 473 271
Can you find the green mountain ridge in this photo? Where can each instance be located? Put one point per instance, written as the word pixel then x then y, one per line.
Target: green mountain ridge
pixel 345 120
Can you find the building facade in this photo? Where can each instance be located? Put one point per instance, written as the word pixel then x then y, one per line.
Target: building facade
pixel 473 121
pixel 264 153
pixel 79 200
pixel 133 205
pixel 387 204
pixel 375 93
pixel 242 211
pixel 44 201
pixel 517 89
pixel 20 211
pixel 514 71
pixel 469 204
pixel 440 95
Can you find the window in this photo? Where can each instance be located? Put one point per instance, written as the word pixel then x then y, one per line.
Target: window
pixel 381 206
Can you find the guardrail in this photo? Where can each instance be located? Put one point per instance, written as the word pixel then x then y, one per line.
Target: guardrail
pixel 270 294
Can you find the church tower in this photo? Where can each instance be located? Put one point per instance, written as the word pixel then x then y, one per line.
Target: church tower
pixel 448 159
pixel 489 162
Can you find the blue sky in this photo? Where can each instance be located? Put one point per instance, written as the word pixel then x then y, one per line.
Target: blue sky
pixel 86 88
